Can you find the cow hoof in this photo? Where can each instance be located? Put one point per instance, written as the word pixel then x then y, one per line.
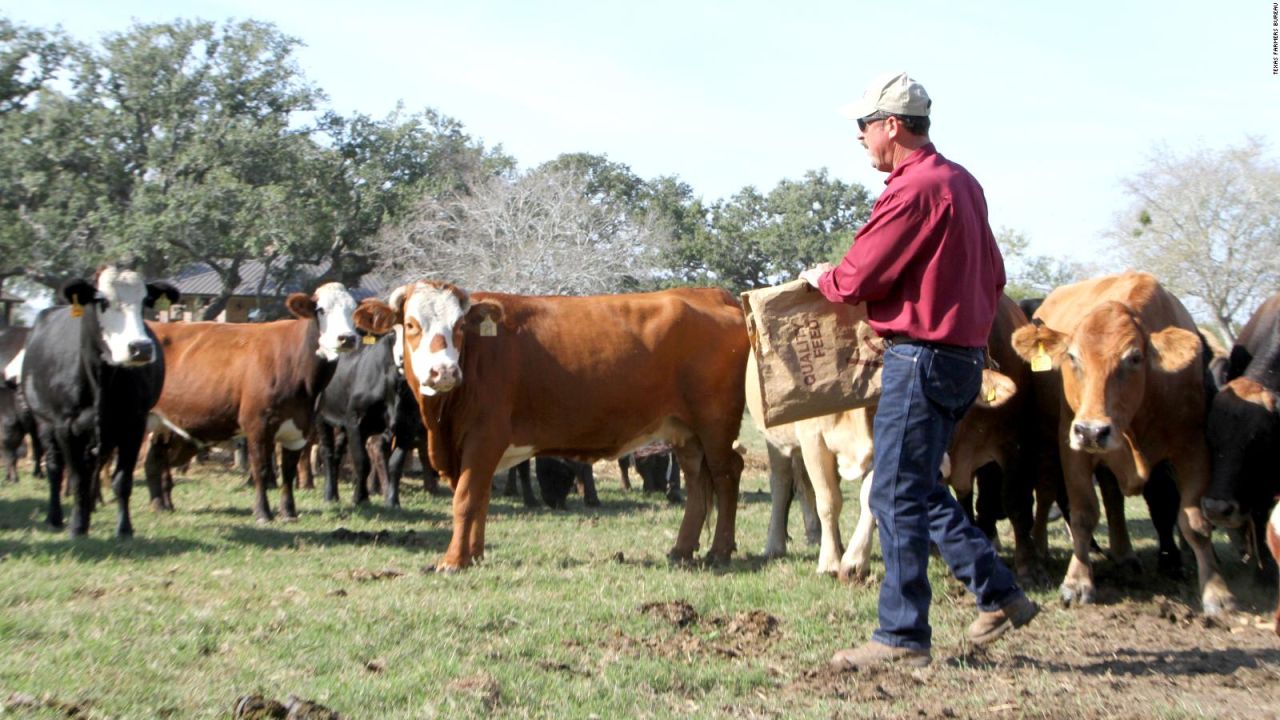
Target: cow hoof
pixel 1079 594
pixel 124 532
pixel 774 552
pixel 55 523
pixel 441 569
pixel 853 574
pixel 263 519
pixel 675 498
pixel 1215 605
pixel 680 558
pixel 157 505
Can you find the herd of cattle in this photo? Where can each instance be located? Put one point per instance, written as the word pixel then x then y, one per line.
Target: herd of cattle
pixel 1108 383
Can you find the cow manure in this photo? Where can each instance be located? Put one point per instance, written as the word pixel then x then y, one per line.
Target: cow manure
pixel 751 624
pixel 257 707
pixel 676 612
pixel 619 558
pixel 367 575
pixel 300 709
pixel 406 538
pixel 23 701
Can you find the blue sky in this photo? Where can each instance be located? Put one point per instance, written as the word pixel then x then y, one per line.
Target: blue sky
pixel 1049 105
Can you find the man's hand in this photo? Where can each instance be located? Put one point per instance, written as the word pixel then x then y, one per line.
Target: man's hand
pixel 813 274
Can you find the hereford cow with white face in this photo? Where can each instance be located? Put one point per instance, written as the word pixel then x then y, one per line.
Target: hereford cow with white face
pixel 1126 356
pixel 501 378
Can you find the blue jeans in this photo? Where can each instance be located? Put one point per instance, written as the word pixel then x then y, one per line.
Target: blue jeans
pixel 926 390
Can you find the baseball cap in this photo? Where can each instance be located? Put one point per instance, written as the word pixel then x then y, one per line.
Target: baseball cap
pixel 894 93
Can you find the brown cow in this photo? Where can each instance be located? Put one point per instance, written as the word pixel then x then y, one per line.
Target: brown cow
pixel 501 378
pixel 1273 542
pixel 1128 361
pixel 260 380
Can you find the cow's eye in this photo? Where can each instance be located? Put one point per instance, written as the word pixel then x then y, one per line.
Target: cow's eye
pixel 1133 359
pixel 319 311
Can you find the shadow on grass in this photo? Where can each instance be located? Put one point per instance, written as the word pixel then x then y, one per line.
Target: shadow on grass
pixel 95 548
pixel 277 537
pixel 1143 663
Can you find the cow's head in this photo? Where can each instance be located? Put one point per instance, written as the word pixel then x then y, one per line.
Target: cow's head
pixel 115 301
pixel 433 315
pixel 1243 432
pixel 1104 365
pixel 331 306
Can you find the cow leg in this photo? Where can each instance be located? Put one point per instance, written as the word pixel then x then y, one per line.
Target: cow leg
pixel 382 472
pixel 1017 495
pixel 130 439
pixel 723 468
pixel 288 477
pixel 373 447
pixel 82 474
pixel 989 481
pixel 855 565
pixel 260 449
pixel 359 462
pixel 37 450
pixel 430 478
pixel 624 469
pixel 781 492
pixel 1078 585
pixel 54 468
pixel 587 478
pixel 471 504
pixel 1161 494
pixel 696 506
pixel 808 504
pixel 513 480
pixel 306 473
pixel 1191 473
pixel 332 456
pixel 521 474
pixel 820 463
pixel 1120 546
pixel 10 440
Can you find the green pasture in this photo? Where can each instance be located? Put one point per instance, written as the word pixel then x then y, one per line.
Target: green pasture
pixel 204 605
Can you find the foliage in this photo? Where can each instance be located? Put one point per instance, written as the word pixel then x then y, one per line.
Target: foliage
pixel 1035 276
pixel 1207 224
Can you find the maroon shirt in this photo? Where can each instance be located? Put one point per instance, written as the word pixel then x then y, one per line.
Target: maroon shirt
pixel 926 263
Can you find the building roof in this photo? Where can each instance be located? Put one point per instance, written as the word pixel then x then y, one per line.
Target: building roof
pixel 201 279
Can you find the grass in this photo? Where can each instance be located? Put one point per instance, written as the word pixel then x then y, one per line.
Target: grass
pixel 204 606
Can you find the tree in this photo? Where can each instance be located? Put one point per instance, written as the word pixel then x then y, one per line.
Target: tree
pixel 543 232
pixel 1032 276
pixel 1207 224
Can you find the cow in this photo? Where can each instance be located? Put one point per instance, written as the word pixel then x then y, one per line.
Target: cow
pixel 16 421
pixel 1273 544
pixel 260 380
pixel 1244 433
pixel 1125 357
pixel 361 400
pixel 501 378
pixel 658 469
pixel 91 373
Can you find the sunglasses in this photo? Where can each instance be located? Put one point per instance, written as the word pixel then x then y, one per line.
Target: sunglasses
pixel 876 116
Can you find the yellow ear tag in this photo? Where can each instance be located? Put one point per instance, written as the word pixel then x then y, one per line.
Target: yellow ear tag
pixel 370 340
pixel 1041 362
pixel 488 328
pixel 77 309
pixel 991 394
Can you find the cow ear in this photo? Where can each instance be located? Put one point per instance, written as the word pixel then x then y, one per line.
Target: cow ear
pixel 374 316
pixel 483 315
pixel 79 292
pixel 301 305
pixel 1238 362
pixel 1174 349
pixel 157 290
pixel 996 389
pixel 1036 340
pixel 396 300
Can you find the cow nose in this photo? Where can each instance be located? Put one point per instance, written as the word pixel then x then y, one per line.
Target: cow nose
pixel 141 350
pixel 1220 512
pixel 1092 434
pixel 347 341
pixel 443 377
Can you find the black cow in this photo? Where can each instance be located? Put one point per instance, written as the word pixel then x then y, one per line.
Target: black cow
pixel 1244 434
pixel 659 472
pixel 92 372
pixel 556 479
pixel 16 421
pixel 358 400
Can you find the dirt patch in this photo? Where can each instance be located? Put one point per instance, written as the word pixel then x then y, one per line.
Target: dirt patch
pixel 257 707
pixel 482 687
pixel 30 703
pixel 406 538
pixel 367 575
pixel 1135 658
pixel 676 612
pixel 746 634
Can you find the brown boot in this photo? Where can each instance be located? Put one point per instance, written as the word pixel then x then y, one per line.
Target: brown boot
pixel 874 653
pixel 990 626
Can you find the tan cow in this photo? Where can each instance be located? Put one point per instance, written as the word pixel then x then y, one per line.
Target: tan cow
pixel 502 378
pixel 1125 353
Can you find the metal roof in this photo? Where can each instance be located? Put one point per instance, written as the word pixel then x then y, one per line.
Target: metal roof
pixel 201 279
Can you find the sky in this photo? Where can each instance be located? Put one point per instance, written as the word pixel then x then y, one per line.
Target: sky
pixel 1050 105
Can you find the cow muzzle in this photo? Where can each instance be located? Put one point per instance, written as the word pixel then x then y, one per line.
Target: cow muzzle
pixel 141 352
pixel 1223 513
pixel 442 379
pixel 1093 436
pixel 346 342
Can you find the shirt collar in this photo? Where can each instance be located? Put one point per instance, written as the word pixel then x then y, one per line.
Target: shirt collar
pixel 915 158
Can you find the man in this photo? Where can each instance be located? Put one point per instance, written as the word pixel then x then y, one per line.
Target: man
pixel 927 266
